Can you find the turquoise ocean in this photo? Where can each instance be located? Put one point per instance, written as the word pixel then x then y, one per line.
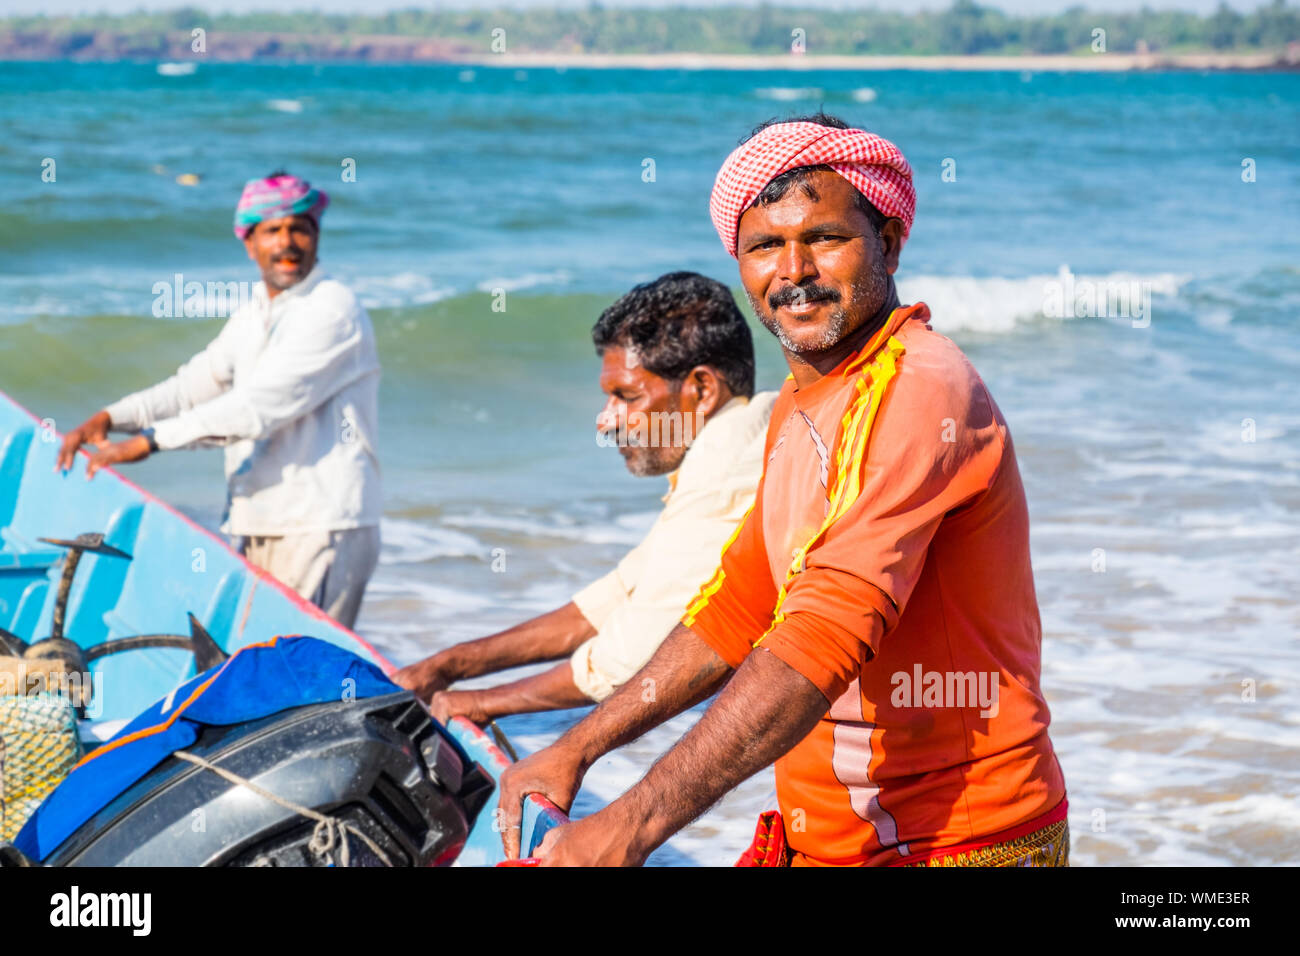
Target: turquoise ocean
pixel 1156 414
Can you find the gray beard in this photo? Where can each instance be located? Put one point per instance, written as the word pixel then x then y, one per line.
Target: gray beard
pixel 868 296
pixel 835 330
pixel 648 462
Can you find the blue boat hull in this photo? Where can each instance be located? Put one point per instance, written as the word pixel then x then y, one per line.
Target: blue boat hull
pixel 175 568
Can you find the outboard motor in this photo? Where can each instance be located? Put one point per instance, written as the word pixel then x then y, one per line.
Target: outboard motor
pixel 362 778
pixel 381 767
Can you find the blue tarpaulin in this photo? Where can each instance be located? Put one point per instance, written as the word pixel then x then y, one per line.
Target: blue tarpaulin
pixel 259 680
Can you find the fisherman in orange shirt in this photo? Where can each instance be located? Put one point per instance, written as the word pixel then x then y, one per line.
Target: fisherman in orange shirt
pixel 873 619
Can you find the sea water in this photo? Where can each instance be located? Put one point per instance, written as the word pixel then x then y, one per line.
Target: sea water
pixel 1117 254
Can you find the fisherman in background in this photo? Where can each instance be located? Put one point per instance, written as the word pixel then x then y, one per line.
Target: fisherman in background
pixel 677 352
pixel 290 388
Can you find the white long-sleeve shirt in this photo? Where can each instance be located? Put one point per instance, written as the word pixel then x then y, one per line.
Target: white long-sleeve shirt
pixel 290 387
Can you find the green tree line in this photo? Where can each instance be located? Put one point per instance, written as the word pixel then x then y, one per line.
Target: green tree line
pixel 963 28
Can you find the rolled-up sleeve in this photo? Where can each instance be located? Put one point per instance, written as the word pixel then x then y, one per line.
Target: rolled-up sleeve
pixel 602 597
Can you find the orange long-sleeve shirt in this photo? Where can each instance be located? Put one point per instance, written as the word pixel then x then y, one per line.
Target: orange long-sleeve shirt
pixel 886 559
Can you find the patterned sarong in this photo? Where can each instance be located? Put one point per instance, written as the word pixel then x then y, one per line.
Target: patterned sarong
pixel 1047 843
pixel 1043 841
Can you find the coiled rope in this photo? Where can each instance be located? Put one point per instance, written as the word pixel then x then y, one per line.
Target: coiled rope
pixel 329 833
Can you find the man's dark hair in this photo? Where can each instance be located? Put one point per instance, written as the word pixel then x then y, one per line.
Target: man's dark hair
pixel 679 321
pixel 778 187
pixel 279 172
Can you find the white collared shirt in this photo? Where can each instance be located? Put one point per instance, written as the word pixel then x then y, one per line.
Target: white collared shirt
pixel 635 606
pixel 290 388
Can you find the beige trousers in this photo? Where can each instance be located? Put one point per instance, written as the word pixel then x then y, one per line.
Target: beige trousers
pixel 328 568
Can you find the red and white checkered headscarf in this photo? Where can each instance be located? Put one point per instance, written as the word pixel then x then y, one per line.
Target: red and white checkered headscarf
pixel 874 166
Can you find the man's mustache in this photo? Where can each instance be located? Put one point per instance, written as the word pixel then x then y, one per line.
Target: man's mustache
pixel 798 294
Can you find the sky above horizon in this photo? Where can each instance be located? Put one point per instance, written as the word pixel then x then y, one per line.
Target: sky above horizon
pixel 57 7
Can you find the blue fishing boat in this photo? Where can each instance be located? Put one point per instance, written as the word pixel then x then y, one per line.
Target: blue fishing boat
pixel 162 615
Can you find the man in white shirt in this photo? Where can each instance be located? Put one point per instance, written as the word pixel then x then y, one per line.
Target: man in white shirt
pixel 290 388
pixel 678 370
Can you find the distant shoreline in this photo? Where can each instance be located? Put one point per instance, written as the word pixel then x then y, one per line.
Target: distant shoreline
pixel 398 51
pixel 1082 63
pixel 732 35
pixel 273 46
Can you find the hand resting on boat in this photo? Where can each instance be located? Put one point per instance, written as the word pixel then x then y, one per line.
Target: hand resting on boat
pixel 682 672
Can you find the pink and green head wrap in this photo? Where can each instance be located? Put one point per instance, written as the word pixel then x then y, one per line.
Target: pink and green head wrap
pixel 277 196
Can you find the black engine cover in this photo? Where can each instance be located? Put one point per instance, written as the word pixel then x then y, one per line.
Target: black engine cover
pixel 380 764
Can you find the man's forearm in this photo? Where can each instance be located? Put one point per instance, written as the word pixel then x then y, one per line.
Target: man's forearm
pixel 550 690
pixel 547 637
pixel 682 672
pixel 765 710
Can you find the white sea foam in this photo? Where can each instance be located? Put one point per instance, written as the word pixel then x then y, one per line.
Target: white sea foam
pixel 285 106
pixel 786 94
pixel 998 304
pixel 529 280
pixel 989 304
pixel 412 542
pixel 624 529
pixel 397 290
pixel 176 69
pixel 435 600
pixel 1214 317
